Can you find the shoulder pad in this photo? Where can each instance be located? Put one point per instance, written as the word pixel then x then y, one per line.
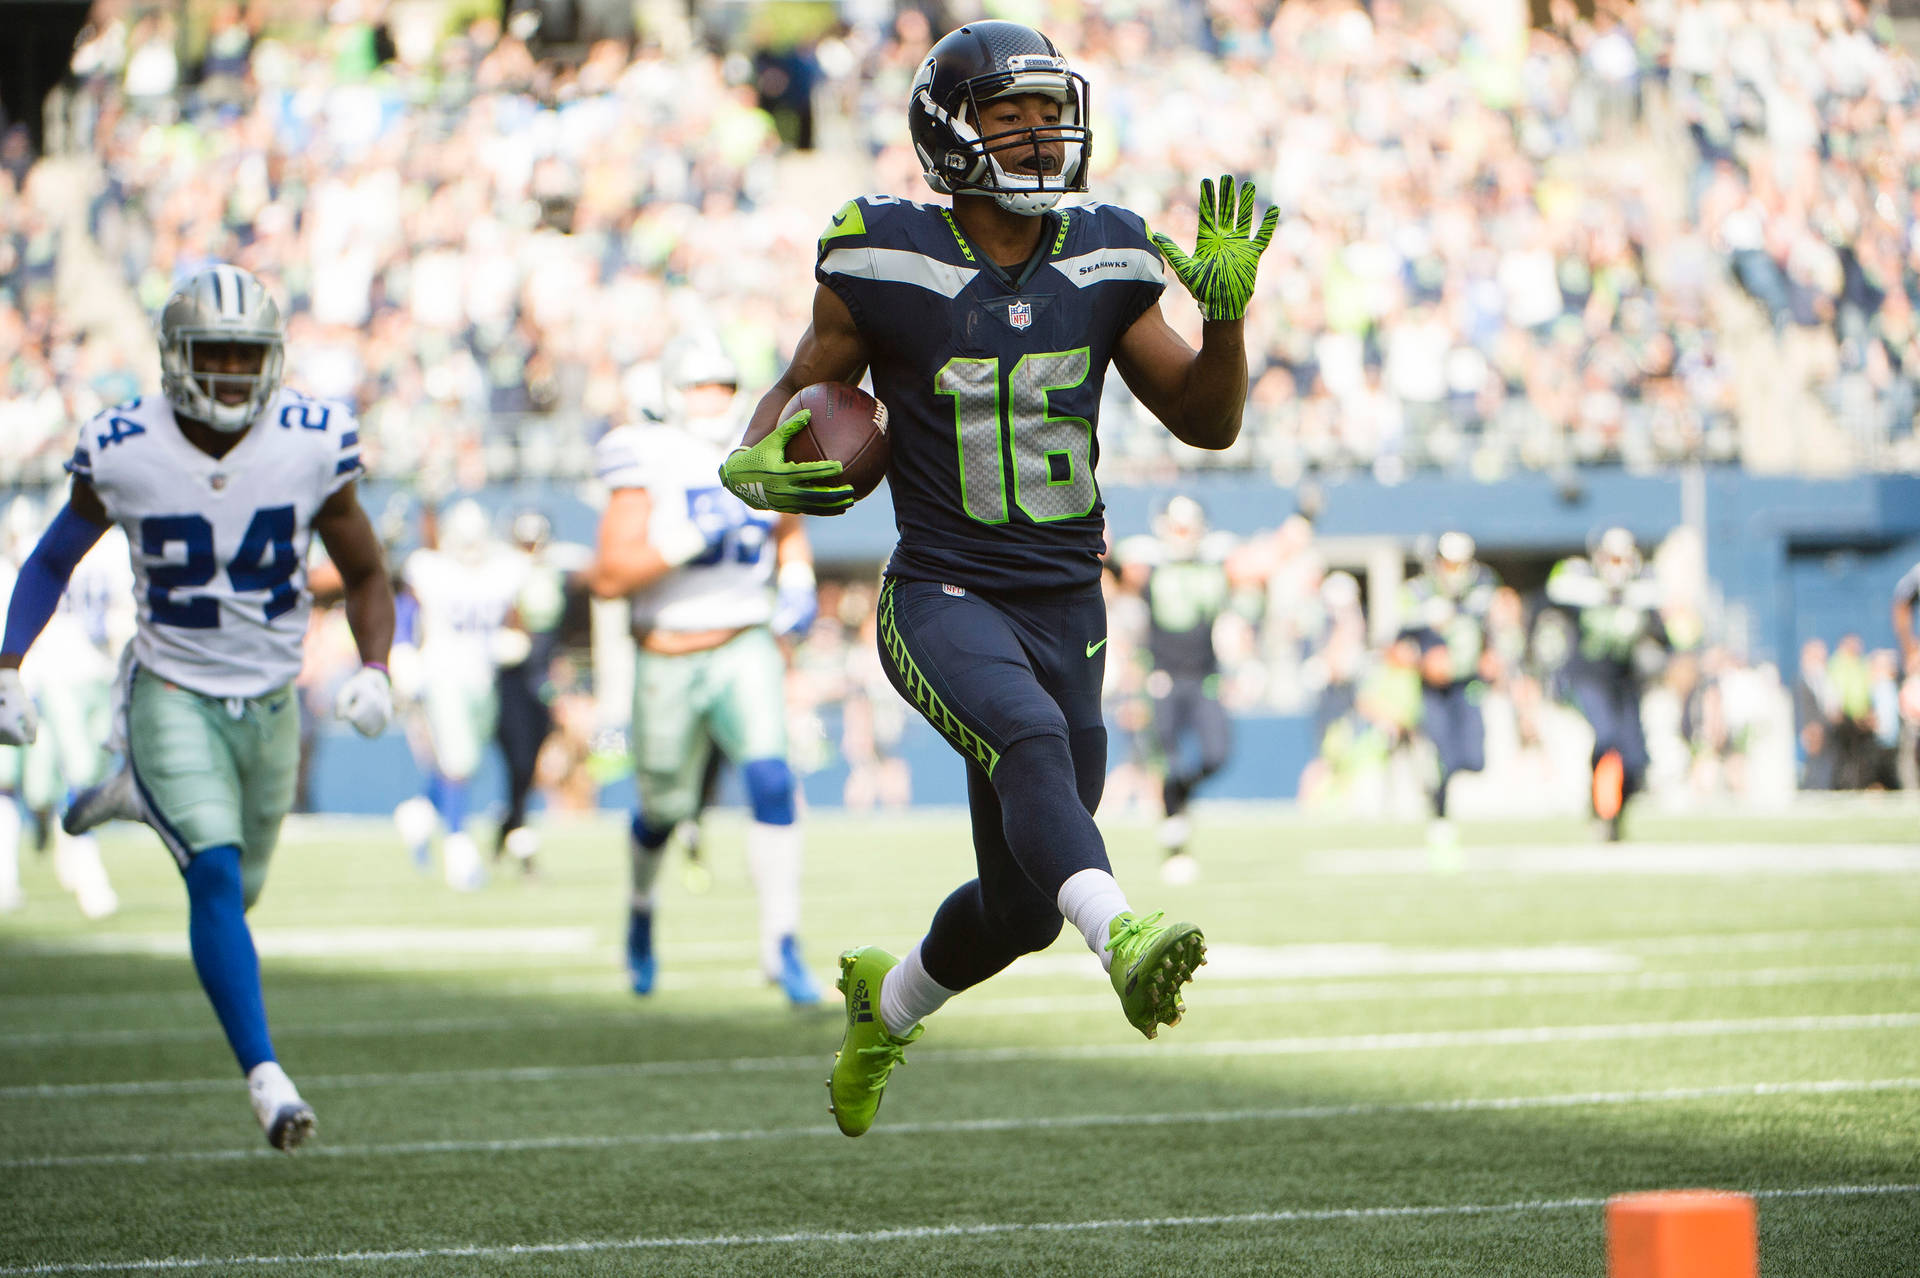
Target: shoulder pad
pixel 1111 224
pixel 869 220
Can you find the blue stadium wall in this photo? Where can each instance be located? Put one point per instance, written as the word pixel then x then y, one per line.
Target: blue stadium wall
pixel 1802 558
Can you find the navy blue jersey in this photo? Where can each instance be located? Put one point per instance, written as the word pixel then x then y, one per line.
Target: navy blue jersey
pixel 993 379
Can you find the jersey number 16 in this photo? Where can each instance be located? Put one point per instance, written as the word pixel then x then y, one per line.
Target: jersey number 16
pixel 1052 456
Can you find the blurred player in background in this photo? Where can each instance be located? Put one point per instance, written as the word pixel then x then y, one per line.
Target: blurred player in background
pixel 523 688
pixel 711 583
pixel 69 674
pixel 1181 572
pixel 1445 613
pixel 219 484
pixel 1616 643
pixel 989 329
pixel 465 587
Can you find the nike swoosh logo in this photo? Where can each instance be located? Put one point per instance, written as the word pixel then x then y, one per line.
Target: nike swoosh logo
pixel 1095 647
pixel 840 218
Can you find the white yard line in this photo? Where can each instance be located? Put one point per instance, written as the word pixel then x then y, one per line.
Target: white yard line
pixel 1634 860
pixel 1418 1040
pixel 911 1233
pixel 1337 991
pixel 975 1126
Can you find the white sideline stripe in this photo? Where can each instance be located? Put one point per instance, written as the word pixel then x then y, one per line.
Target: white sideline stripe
pixel 1293 1046
pixel 344 942
pixel 990 1006
pixel 910 1233
pixel 1703 943
pixel 1462 1105
pixel 1631 859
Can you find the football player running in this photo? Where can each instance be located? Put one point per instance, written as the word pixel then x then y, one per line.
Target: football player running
pixel 70 678
pixel 1181 572
pixel 219 485
pixel 1445 610
pixel 989 327
pixel 712 584
pixel 466 585
pixel 1618 643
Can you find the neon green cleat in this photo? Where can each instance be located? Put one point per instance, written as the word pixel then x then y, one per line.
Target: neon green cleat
pixel 1150 964
pixel 867 1053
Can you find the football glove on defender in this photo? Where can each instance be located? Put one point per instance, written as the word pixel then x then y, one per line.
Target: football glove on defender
pixel 761 476
pixel 19 721
pixel 366 701
pixel 1219 273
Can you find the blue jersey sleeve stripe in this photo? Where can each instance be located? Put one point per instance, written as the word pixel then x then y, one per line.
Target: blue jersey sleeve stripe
pixel 350 439
pixel 347 465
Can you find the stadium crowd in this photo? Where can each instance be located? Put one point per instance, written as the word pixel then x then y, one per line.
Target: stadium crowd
pixel 486 250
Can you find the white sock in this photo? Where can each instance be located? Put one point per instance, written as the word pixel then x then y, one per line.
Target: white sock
pixel 9 854
pixel 908 995
pixel 86 873
pixel 646 868
pixel 1090 900
pixel 773 861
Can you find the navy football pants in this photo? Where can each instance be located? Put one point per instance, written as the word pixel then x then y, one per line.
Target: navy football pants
pixel 1611 705
pixel 1452 720
pixel 1013 684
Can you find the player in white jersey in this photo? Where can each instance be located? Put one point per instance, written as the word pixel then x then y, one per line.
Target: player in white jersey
pixel 70 677
pixel 219 484
pixel 466 587
pixel 699 567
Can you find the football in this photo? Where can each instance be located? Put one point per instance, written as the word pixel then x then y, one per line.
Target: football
pixel 848 426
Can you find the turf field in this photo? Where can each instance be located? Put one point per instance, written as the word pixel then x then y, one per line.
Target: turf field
pixel 1385 1070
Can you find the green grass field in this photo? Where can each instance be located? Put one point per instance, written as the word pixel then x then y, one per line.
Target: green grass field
pixel 1383 1071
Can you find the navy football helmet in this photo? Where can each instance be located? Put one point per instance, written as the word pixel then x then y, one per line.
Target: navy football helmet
pixel 972 66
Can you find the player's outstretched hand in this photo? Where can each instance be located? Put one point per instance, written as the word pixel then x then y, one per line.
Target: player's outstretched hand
pixel 1226 253
pixel 366 701
pixel 761 476
pixel 19 722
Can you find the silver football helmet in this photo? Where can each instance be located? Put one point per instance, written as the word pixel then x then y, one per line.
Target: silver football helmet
pixel 699 359
pixel 220 305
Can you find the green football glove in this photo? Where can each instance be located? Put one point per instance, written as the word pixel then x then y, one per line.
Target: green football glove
pixel 1220 271
pixel 761 476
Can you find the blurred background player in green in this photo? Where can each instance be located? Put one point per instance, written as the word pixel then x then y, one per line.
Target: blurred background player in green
pixel 1445 612
pixel 1180 571
pixel 1614 644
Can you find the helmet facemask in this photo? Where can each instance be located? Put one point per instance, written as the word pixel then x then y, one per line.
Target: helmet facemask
pixel 210 313
pixel 959 156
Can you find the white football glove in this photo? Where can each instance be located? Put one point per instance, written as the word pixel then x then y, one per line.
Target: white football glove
pixel 19 722
pixel 366 701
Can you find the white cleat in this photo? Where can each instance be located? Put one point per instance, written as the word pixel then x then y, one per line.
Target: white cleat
pixel 523 844
pixel 1179 869
pixel 417 823
pixel 286 1119
pixel 114 799
pixel 460 859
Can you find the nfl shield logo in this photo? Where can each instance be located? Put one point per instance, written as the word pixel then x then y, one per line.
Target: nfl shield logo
pixel 1020 314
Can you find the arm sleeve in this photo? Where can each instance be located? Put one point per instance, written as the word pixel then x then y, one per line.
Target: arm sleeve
pixel 43 578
